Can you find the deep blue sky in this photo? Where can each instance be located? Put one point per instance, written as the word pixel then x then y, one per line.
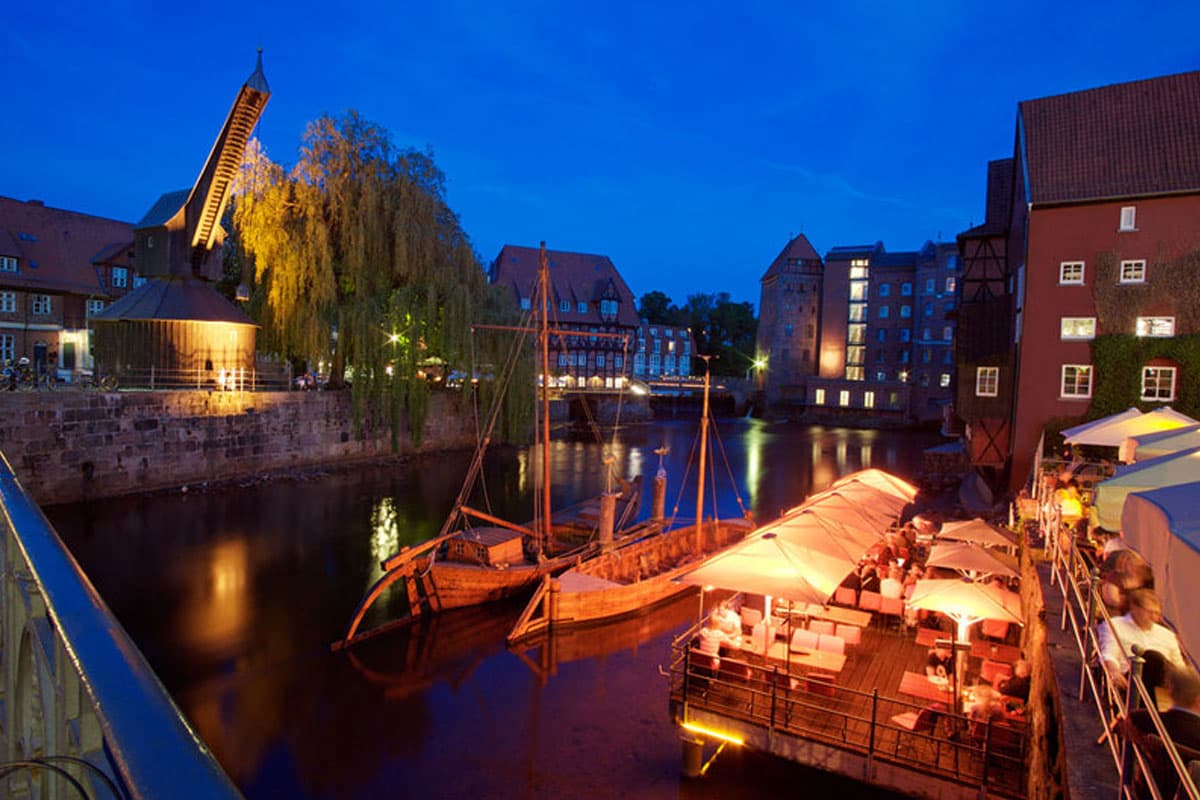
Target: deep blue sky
pixel 687 141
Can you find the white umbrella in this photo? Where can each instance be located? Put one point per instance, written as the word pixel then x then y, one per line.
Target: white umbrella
pixel 1079 430
pixel 1114 433
pixel 977 531
pixel 972 560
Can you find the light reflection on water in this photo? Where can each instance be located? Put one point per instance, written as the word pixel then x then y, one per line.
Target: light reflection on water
pixel 235 595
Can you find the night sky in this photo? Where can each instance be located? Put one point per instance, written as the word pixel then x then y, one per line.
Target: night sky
pixel 687 141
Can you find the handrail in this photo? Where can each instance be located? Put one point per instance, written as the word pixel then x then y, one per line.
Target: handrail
pixel 151 748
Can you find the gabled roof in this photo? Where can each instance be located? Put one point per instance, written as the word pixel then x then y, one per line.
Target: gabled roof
pixel 1126 140
pixel 56 249
pixel 798 249
pixel 574 277
pixel 187 299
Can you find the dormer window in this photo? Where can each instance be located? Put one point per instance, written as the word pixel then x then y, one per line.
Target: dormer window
pixel 1128 218
pixel 564 306
pixel 526 304
pixel 608 308
pixel 120 277
pixel 8 264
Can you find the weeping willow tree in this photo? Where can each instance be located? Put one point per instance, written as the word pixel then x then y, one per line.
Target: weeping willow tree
pixel 359 262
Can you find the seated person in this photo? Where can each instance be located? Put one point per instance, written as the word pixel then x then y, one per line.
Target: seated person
pixel 939 666
pixel 1018 684
pixel 870 578
pixel 892 585
pixel 1139 627
pixel 728 623
pixel 986 705
pixel 1181 721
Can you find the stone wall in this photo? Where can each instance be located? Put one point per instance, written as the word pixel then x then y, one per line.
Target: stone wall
pixel 71 446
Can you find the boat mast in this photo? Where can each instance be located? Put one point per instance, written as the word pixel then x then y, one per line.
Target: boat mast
pixel 544 355
pixel 703 452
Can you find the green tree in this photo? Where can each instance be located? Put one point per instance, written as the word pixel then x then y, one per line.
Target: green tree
pixel 724 329
pixel 655 307
pixel 358 261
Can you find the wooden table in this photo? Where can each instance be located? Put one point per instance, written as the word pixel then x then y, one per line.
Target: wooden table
pixel 807 661
pixel 838 614
pixel 917 685
pixel 981 648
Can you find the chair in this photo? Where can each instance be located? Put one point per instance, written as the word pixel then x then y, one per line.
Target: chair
pixel 994 671
pixel 915 722
pixel 994 629
pixel 845 596
pixel 852 634
pixel 820 683
pixel 832 643
pixel 804 640
pixel 751 617
pixel 869 601
pixel 761 637
pixel 821 626
pixel 892 607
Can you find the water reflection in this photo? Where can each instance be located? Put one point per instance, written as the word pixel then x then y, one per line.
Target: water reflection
pixel 234 597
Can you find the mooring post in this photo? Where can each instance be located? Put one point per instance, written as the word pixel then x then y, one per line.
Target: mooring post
pixel 658 504
pixel 608 512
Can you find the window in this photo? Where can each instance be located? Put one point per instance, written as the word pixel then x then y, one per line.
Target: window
pixel 41 304
pixel 618 361
pixel 1158 383
pixel 885 290
pixel 855 373
pixel 924 379
pixel 858 312
pixel 903 356
pixel 1155 326
pixel 856 334
pixel 881 376
pixel 987 381
pixel 654 365
pixel 668 331
pixel 582 307
pixel 787 329
pixel 138 281
pixel 927 334
pixel 844 397
pixel 608 308
pixel 926 356
pixel 883 312
pixel 868 399
pixel 858 290
pixel 1128 218
pixel 902 376
pixel 855 354
pixel 1070 273
pixel 564 305
pixel 600 360
pixel 881 335
pixel 819 397
pixel 894 399
pixel 562 359
pixel 905 312
pixel 944 380
pixel 658 345
pixel 120 277
pixel 881 354
pixel 927 310
pixel 1076 380
pixel 952 262
pixel 950 283
pixel 905 334
pixel 8 264
pixel 1077 328
pixel 930 285
pixel 906 289
pixel 8 301
pixel 526 304
pixel 95 306
pixel 8 346
pixel 1133 271
pixel 947 333
pixel 687 347
pixel 639 364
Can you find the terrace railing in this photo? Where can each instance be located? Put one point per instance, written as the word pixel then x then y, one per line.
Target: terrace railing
pixel 81 712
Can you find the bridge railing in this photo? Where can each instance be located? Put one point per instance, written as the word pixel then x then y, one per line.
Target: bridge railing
pixel 81 712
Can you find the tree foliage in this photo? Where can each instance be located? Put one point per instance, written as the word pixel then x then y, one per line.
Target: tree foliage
pixel 359 262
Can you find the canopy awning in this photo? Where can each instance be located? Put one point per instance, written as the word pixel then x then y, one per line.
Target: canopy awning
pixel 1168 470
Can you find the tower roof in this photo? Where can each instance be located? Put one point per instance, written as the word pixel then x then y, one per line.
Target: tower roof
pixel 798 250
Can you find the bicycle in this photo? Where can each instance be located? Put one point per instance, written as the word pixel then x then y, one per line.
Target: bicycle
pixel 103 383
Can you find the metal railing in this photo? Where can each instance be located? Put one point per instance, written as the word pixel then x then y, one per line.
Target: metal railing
pixel 952 747
pixel 83 715
pixel 1083 614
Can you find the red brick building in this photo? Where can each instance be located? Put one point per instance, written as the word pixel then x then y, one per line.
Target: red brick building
pixel 58 267
pixel 1092 231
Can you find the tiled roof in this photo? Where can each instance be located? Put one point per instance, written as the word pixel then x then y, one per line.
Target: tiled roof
pixel 56 249
pixel 1126 140
pixel 574 277
pixel 798 249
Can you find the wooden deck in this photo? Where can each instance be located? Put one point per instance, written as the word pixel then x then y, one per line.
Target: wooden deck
pixel 858 721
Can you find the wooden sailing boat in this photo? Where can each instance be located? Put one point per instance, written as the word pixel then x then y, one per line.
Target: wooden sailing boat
pixel 480 558
pixel 637 576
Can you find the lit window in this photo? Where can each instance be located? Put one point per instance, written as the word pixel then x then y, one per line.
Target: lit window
pixel 8 301
pixel 120 277
pixel 883 312
pixel 855 354
pixel 8 264
pixel 858 312
pixel 1128 218
pixel 855 373
pixel 856 334
pixel 906 289
pixel 1133 271
pixel 1077 328
pixel 987 381
pixel 950 283
pixel 819 397
pixel 1158 383
pixel 1076 380
pixel 905 312
pixel 1155 326
pixel 885 289
pixel 868 399
pixel 944 380
pixel 894 399
pixel 902 376
pixel 858 290
pixel 1070 273
pixel 41 304
pixel 844 398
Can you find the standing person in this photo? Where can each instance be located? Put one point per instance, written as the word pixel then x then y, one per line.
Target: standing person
pixel 1141 627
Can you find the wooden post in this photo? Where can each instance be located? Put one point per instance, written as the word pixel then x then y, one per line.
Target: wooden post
pixel 658 504
pixel 608 512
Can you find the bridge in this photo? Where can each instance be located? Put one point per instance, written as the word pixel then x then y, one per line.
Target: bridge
pixel 81 712
pixel 665 396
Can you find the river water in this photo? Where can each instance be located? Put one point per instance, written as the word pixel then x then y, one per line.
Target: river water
pixel 235 594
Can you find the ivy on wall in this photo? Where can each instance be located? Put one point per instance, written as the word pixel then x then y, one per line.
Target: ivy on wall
pixel 1119 359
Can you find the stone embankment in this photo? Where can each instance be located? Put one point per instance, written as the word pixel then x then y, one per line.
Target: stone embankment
pixel 67 447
